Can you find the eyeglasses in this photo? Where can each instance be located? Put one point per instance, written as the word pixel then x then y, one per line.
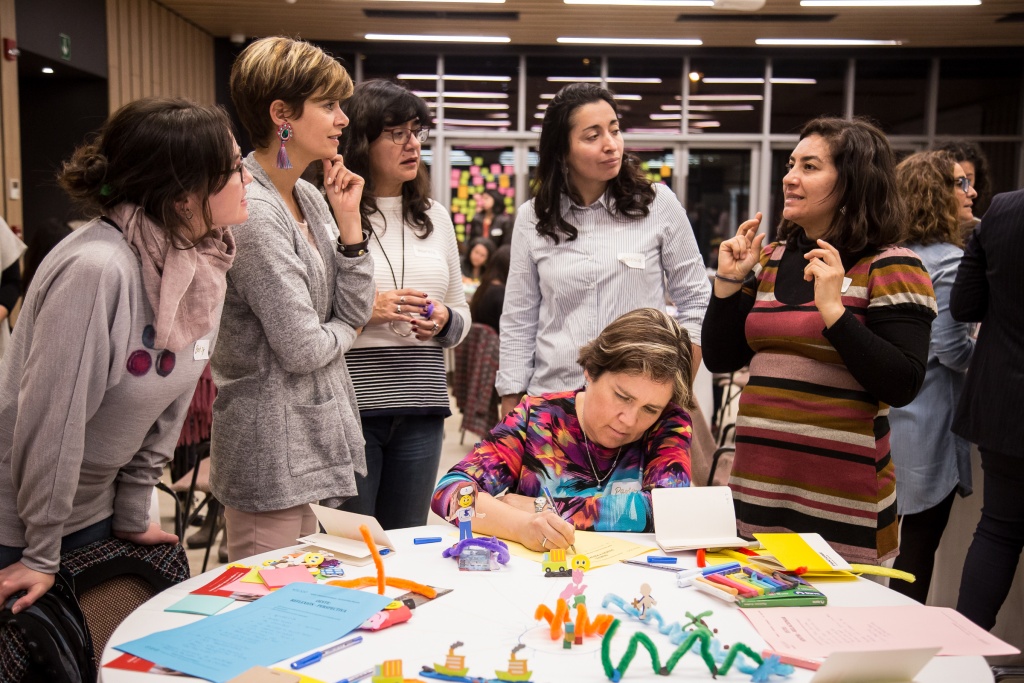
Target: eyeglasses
pixel 240 170
pixel 964 183
pixel 400 136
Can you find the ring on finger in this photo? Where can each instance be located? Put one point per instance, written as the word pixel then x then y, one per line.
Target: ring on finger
pixel 544 542
pixel 401 299
pixel 435 328
pixel 398 308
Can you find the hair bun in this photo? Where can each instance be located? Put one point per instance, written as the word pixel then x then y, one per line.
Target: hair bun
pixel 94 167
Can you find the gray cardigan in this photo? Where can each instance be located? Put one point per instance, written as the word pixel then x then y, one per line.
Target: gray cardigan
pixel 286 425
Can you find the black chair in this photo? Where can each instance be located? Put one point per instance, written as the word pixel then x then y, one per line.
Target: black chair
pixel 1008 673
pixel 186 487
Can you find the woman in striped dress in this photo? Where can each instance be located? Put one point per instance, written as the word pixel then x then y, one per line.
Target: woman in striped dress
pixel 397 363
pixel 834 322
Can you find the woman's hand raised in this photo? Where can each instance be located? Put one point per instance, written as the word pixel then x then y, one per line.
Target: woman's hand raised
pixel 344 192
pixel 825 266
pixel 738 255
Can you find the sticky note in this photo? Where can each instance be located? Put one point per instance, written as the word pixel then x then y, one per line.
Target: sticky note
pixel 275 578
pixel 200 604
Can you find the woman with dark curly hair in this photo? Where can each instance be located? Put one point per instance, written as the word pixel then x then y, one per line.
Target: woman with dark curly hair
pixel 932 463
pixel 397 363
pixel 596 241
pixel 834 322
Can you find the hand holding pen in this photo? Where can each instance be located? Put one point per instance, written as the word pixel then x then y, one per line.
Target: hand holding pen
pixel 546 530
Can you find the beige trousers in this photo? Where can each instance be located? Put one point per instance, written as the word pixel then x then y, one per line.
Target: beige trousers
pixel 252 533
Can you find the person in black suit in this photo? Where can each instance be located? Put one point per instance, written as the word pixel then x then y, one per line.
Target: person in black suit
pixel 989 289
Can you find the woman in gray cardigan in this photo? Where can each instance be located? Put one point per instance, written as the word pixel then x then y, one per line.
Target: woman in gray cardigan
pixel 285 427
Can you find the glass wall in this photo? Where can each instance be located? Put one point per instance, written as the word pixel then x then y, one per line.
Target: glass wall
pixel 546 75
pixel 481 93
pixel 726 95
pixel 893 92
pixel 476 169
pixel 805 88
pixel 647 92
pixel 717 196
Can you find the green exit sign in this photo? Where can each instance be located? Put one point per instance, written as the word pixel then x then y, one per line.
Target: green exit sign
pixel 65 47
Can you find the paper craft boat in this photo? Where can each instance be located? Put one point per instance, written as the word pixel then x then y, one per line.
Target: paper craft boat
pixel 516 668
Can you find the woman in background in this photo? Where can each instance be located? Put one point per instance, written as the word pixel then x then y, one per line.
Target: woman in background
pixel 491 220
pixel 101 369
pixel 490 295
pixel 397 363
pixel 598 450
pixel 975 166
pixel 834 323
pixel 932 463
pixel 598 240
pixel 285 429
pixel 478 253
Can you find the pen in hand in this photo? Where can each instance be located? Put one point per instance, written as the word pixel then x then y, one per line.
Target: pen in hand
pixel 317 656
pixel 551 502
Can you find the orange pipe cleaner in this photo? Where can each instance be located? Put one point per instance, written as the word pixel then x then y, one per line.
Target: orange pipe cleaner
pixel 381 580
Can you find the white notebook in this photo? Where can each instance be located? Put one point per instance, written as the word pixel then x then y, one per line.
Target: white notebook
pixel 343 537
pixel 695 517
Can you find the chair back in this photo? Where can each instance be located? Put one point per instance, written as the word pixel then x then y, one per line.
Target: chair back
pixel 479 360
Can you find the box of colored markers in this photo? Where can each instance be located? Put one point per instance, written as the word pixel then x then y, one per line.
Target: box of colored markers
pixel 748 587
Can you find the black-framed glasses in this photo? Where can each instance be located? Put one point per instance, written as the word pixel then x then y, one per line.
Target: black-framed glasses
pixel 400 136
pixel 240 170
pixel 963 182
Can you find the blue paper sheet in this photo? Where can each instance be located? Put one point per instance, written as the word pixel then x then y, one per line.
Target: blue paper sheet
pixel 292 620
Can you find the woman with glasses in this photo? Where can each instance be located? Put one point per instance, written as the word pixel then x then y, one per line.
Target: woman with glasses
pixel 397 363
pixel 113 335
pixel 932 463
pixel 834 322
pixel 285 428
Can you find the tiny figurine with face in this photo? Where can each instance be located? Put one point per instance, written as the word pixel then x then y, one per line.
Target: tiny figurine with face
pixel 465 511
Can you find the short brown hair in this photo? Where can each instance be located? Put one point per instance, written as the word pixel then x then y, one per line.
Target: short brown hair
pixel 153 153
pixel 871 214
pixel 927 185
pixel 279 68
pixel 646 342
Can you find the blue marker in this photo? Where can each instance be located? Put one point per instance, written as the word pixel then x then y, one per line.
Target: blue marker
pixel 385 551
pixel 657 559
pixel 317 656
pixel 427 539
pixel 358 677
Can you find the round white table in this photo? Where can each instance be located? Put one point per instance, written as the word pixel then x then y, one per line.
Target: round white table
pixel 490 612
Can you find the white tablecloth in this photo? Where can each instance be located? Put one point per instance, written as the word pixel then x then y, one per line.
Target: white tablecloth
pixel 493 611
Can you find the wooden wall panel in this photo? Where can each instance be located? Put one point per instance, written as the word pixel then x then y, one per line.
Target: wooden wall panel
pixel 10 127
pixel 154 52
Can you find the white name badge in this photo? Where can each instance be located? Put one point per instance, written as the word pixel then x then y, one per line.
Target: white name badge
pixel 426 253
pixel 846 284
pixel 201 350
pixel 633 260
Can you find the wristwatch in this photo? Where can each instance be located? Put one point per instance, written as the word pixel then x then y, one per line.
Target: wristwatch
pixel 540 503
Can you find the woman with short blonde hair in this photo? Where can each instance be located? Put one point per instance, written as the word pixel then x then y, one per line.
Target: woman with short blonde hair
pixel 285 425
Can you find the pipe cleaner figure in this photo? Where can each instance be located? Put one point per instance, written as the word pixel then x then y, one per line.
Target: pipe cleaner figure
pixel 466 511
pixel 645 601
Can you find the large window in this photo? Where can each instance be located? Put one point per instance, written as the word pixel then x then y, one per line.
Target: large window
pixel 647 92
pixel 979 97
pixel 481 93
pixel 717 196
pixel 476 169
pixel 894 92
pixel 545 76
pixel 726 95
pixel 805 88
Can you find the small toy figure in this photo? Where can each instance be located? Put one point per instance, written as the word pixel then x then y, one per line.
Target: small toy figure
pixel 466 511
pixel 645 601
pixel 454 665
pixel 391 672
pixel 570 636
pixel 517 670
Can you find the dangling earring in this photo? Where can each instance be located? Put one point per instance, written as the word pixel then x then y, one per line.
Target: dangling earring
pixel 842 210
pixel 188 213
pixel 284 131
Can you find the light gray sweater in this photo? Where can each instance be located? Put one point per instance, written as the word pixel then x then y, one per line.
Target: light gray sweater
pixel 286 428
pixel 82 437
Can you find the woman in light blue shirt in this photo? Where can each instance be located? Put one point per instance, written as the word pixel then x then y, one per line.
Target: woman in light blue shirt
pixel 932 463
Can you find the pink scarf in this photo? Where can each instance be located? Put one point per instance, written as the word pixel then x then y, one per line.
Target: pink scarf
pixel 185 287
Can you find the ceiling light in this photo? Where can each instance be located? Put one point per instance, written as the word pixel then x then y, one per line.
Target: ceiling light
pixel 471 105
pixel 706 124
pixel 721 107
pixel 695 76
pixel 471 122
pixel 597 79
pixel 824 42
pixel 453 77
pixel 479 2
pixel 886 3
pixel 464 95
pixel 645 3
pixel 678 117
pixel 421 38
pixel 759 81
pixel 47 70
pixel 726 98
pixel 677 42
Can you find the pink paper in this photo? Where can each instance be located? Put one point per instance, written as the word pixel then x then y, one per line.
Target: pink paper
pixel 240 586
pixel 282 576
pixel 495 169
pixel 816 632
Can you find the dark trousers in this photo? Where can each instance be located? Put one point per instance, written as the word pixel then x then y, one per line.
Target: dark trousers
pixel 402 456
pixel 76 539
pixel 920 534
pixel 992 558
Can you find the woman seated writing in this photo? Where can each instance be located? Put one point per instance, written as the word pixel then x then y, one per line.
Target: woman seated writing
pixel 598 450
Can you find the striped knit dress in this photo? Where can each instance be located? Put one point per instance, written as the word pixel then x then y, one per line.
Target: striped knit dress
pixel 812 445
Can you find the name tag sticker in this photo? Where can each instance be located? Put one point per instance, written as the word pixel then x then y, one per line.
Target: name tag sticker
pixel 633 260
pixel 426 253
pixel 201 350
pixel 846 284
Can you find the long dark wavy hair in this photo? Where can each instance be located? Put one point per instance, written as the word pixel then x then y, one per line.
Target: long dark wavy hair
pixel 631 190
pixel 871 212
pixel 496 271
pixel 375 105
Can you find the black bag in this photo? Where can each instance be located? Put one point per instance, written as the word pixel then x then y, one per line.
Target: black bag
pixel 48 642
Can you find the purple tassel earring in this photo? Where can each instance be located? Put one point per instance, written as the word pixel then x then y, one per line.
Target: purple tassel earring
pixel 284 131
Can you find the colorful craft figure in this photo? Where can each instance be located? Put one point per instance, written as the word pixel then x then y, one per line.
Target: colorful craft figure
pixel 454 665
pixel 517 670
pixel 391 672
pixel 645 601
pixel 466 511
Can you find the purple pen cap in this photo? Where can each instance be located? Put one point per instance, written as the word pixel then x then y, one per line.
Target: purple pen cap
pixel 429 310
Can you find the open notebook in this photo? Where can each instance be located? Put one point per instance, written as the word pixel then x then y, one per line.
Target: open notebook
pixel 342 535
pixel 695 517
